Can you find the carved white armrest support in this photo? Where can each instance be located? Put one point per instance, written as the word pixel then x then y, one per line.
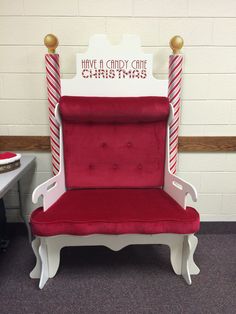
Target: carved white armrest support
pixel 51 190
pixel 178 189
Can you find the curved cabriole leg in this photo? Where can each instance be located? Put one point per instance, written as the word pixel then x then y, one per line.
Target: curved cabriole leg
pixel 36 272
pixel 185 260
pixel 44 259
pixel 193 240
pixel 53 259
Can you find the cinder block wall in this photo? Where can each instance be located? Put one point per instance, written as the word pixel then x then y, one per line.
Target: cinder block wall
pixel 209 84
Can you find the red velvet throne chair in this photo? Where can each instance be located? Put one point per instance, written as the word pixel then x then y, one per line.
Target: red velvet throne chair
pixel 114 187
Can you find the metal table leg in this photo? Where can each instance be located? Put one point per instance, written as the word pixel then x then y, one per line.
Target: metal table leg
pixel 4 241
pixel 22 213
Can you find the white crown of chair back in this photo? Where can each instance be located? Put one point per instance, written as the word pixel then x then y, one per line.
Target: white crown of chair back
pixel 114 70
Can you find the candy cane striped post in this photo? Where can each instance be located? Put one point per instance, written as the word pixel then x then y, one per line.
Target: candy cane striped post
pixel 54 93
pixel 174 91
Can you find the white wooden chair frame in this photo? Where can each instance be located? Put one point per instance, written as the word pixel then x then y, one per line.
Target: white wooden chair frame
pixel 182 246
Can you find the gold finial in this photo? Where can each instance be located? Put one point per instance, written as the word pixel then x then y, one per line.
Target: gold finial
pixel 51 42
pixel 176 43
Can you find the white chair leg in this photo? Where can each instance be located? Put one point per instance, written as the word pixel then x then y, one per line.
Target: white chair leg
pixel 36 272
pixel 193 241
pixel 176 255
pixel 53 259
pixel 44 259
pixel 185 260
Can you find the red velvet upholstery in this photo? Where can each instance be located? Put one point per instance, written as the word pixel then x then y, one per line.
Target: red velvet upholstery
pixel 114 153
pixel 114 211
pixel 114 109
pixel 114 142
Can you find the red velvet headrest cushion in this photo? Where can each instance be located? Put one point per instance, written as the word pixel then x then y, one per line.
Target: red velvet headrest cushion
pixel 114 109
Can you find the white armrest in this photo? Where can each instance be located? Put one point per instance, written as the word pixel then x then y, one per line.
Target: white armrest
pixel 51 190
pixel 178 189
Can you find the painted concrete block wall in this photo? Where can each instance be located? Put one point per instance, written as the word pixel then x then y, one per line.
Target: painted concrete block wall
pixel 209 81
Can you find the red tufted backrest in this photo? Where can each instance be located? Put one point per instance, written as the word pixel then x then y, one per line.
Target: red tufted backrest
pixel 114 141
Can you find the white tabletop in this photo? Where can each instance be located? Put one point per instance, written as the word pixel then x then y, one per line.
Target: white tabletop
pixel 8 179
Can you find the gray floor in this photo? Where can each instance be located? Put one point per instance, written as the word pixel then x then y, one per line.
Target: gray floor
pixel 138 279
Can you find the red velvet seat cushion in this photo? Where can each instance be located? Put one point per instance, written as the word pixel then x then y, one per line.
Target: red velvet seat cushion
pixel 114 211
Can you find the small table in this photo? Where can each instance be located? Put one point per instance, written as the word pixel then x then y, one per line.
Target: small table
pixel 7 181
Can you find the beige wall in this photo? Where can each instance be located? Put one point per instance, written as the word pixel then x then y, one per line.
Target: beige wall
pixel 209 83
